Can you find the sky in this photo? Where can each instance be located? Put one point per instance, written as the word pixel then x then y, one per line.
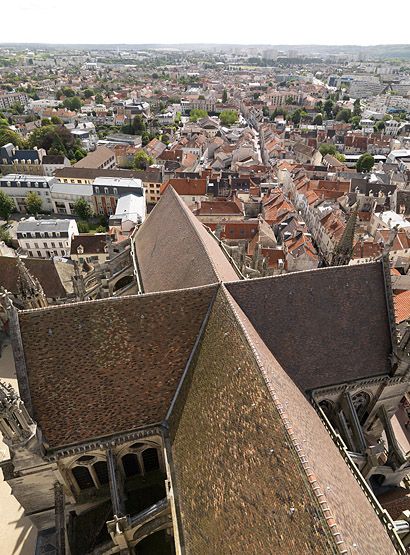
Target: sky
pixel 362 22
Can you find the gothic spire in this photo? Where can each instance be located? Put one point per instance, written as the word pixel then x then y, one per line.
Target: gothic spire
pixel 29 288
pixel 344 249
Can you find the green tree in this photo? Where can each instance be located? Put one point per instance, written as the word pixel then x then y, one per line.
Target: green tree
pixel 225 96
pixel 56 120
pixel 83 227
pixel 326 148
pixel 100 229
pixel 33 203
pixel 344 115
pixel 45 121
pixel 79 154
pixel 356 107
pixel 328 108
pixel 88 93
pixel 6 206
pixel 142 160
pixel 228 117
pixel 296 117
pixel 379 126
pixel 82 209
pixel 197 114
pixel 99 99
pixel 318 119
pixel 67 92
pixel 5 236
pixel 54 138
pixel 9 136
pixel 355 121
pixel 138 125
pixel 74 104
pixel 365 163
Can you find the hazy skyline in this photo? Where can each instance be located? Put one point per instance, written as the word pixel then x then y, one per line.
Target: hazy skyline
pixel 357 22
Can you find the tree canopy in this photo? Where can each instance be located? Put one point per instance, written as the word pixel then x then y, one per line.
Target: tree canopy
pixel 6 206
pixel 142 160
pixel 197 114
pixel 33 203
pixel 9 136
pixel 74 103
pixel 82 209
pixel 365 163
pixel 228 117
pixel 326 148
pixel 55 139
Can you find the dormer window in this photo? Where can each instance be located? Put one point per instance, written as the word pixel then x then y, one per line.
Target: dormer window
pixel 80 249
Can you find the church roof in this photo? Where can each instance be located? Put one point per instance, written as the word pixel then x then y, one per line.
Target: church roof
pixel 43 270
pixel 109 366
pixel 324 326
pixel 255 469
pixel 174 250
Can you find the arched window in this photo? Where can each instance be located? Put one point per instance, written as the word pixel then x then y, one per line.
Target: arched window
pixel 101 470
pixel 140 458
pixel 90 471
pixel 361 403
pixel 131 465
pixel 83 477
pixel 150 459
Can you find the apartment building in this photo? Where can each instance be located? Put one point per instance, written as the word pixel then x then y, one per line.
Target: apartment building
pixel 46 238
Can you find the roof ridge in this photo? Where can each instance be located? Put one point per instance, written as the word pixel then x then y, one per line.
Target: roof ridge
pixel 311 478
pixel 112 300
pixel 192 219
pixel 326 269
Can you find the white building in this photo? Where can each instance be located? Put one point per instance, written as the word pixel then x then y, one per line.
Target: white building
pixel 131 211
pixel 64 196
pixel 18 186
pixel 46 238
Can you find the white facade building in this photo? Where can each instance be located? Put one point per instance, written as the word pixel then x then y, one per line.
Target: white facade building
pixel 46 238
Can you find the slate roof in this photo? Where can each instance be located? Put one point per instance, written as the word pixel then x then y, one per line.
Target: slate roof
pixel 324 326
pixel 44 270
pixel 91 243
pixel 109 366
pixel 175 251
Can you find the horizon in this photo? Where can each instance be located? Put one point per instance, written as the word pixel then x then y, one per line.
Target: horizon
pixel 50 22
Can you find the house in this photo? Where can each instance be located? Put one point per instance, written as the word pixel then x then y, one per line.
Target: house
pixel 190 190
pixel 102 158
pixel 152 178
pixel 53 162
pixel 46 238
pixel 130 211
pixel 90 248
pixel 17 186
pixel 107 191
pixel 65 195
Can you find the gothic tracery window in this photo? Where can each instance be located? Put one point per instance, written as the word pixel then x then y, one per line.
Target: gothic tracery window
pixel 90 471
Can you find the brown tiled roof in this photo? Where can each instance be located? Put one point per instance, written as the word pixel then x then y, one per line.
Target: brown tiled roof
pixel 325 468
pixel 225 207
pixel 402 306
pixel 236 479
pixel 91 243
pixel 96 158
pixel 186 186
pixel 43 270
pixel 174 250
pixel 324 326
pixel 109 366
